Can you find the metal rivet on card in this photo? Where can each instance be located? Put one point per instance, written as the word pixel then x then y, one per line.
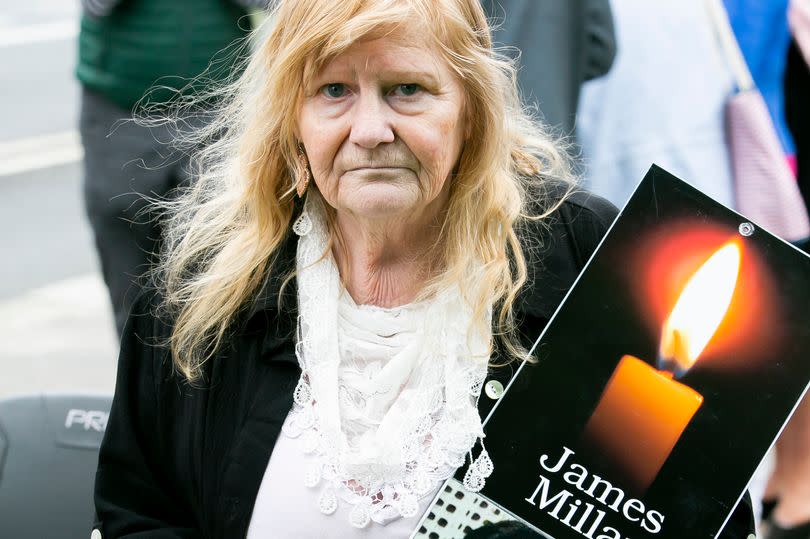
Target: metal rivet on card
pixel 746 229
pixel 493 389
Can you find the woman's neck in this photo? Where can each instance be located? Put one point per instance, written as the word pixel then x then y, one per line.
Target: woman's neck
pixel 385 263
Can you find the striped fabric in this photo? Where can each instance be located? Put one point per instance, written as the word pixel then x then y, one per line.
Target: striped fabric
pixel 766 190
pixel 102 8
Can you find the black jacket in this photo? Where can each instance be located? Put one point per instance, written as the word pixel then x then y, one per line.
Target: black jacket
pixel 182 461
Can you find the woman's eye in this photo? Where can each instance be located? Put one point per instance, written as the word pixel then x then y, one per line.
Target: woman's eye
pixel 334 90
pixel 407 90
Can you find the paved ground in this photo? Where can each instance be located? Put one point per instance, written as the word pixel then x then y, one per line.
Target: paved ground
pixel 56 328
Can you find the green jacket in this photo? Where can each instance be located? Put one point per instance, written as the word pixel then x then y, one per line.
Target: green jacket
pixel 168 42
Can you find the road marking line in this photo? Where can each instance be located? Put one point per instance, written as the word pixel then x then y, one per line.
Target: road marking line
pixel 38 33
pixel 43 151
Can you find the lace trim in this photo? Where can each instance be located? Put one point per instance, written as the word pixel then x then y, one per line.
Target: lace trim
pixel 432 434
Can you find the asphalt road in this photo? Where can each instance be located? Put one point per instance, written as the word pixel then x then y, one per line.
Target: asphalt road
pixel 40 205
pixel 55 323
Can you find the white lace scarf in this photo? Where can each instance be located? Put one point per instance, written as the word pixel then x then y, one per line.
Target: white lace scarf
pixel 384 432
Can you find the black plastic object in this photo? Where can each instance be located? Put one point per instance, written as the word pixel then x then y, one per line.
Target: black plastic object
pixel 48 454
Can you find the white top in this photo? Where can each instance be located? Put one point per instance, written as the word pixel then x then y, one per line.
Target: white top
pixel 284 506
pixel 286 509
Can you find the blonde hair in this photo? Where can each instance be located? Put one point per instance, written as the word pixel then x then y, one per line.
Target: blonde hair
pixel 223 232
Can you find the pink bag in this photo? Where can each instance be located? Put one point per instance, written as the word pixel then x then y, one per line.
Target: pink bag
pixel 766 190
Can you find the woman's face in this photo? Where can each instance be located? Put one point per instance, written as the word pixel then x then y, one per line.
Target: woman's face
pixel 382 126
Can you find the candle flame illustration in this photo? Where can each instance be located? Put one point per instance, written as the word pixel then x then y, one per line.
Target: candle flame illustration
pixel 700 308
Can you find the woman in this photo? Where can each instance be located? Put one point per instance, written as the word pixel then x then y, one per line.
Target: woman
pixel 322 360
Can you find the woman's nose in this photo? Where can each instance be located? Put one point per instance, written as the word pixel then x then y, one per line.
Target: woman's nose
pixel 370 123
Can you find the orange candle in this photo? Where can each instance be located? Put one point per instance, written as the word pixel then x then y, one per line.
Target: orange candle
pixel 643 410
pixel 639 419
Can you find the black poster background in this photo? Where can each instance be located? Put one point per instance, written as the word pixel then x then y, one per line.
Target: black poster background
pixel 748 397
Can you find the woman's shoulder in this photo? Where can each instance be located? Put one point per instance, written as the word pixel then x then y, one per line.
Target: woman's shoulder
pixel 558 246
pixel 595 207
pixel 572 207
pixel 148 317
pixel 145 357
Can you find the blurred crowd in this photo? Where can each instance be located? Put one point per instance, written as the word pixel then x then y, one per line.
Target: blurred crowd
pixel 714 91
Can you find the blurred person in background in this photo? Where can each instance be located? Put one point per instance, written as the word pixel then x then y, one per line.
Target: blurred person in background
pixel 786 502
pixel 561 44
pixel 126 47
pixel 662 102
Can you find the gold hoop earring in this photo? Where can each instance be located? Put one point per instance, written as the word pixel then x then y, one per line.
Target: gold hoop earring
pixel 304 176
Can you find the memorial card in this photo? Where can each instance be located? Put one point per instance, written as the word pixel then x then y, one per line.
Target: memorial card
pixel 655 391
